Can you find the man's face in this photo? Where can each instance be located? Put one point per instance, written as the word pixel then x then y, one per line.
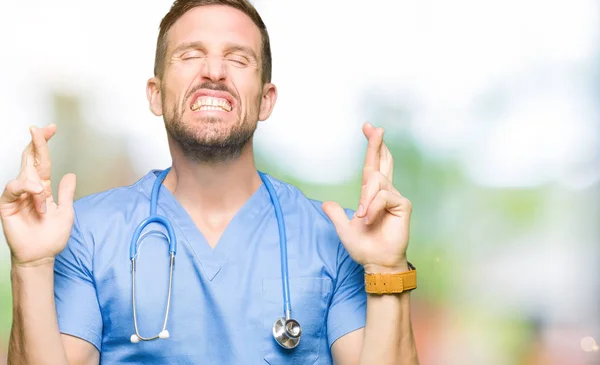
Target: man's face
pixel 211 94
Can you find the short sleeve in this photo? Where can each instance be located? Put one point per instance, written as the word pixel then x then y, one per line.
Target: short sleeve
pixel 348 308
pixel 77 306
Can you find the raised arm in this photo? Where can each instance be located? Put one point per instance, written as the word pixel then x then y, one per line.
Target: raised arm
pixel 377 238
pixel 37 229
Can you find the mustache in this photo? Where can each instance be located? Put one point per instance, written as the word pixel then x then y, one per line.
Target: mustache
pixel 210 86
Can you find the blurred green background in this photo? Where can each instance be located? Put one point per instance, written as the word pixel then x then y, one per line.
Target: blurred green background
pixel 491 111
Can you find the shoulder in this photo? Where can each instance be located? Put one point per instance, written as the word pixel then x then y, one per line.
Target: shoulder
pixel 300 208
pixel 291 194
pixel 120 199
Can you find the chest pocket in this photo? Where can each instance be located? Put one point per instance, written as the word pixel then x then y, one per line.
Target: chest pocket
pixel 309 298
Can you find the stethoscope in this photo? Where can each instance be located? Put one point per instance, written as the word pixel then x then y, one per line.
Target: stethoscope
pixel 286 330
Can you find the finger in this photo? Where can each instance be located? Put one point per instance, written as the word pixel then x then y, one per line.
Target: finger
pixel 39 200
pixel 49 131
pixel 66 190
pixel 375 182
pixel 27 157
pixel 338 217
pixel 387 201
pixel 373 153
pixel 368 129
pixel 386 163
pixel 41 153
pixel 16 188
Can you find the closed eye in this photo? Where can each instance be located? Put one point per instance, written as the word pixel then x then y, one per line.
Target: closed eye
pixel 238 60
pixel 190 55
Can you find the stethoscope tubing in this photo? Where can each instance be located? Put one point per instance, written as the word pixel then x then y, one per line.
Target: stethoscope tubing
pixel 287 305
pixel 155 218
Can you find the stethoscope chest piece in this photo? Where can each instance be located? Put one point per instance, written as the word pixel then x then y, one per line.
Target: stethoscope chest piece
pixel 287 332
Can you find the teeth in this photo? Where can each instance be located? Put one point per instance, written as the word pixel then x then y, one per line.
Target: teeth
pixel 210 103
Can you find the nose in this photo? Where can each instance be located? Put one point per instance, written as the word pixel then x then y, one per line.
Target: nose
pixel 213 68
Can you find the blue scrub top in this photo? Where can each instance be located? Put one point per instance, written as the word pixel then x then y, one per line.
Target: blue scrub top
pixel 224 300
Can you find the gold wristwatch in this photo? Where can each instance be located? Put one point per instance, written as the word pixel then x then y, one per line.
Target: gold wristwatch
pixel 376 283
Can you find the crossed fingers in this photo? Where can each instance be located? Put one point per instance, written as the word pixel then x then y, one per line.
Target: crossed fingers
pixel 378 192
pixel 36 166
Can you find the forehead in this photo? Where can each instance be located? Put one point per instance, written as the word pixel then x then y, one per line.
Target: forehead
pixel 215 25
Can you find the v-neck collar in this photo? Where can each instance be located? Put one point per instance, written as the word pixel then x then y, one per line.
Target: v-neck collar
pixel 211 260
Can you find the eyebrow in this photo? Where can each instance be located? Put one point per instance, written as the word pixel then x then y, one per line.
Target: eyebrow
pixel 229 47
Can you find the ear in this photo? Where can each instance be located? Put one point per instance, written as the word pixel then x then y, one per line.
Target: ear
pixel 267 103
pixel 154 97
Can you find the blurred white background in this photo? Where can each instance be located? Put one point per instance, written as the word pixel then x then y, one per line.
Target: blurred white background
pixel 503 94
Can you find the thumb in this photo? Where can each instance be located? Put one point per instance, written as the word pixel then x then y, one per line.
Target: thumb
pixel 338 216
pixel 66 190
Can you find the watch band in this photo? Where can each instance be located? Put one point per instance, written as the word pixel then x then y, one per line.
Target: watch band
pixel 376 283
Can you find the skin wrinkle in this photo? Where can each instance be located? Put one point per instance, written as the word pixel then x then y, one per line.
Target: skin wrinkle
pixel 205 137
pixel 211 192
pixel 206 147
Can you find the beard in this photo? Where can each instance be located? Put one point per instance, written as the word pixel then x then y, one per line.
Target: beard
pixel 210 141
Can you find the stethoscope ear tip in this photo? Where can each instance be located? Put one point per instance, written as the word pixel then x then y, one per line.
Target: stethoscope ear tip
pixel 164 334
pixel 134 338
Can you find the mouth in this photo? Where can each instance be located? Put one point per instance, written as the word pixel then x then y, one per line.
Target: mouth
pixel 211 100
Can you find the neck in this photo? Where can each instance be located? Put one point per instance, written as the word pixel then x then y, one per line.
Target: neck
pixel 213 189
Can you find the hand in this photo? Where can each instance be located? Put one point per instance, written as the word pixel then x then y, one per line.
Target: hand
pixel 377 235
pixel 36 228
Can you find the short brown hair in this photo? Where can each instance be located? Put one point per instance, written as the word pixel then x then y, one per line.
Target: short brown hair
pixel 180 7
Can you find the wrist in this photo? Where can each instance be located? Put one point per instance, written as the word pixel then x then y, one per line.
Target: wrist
pixel 384 269
pixel 39 264
pixel 395 279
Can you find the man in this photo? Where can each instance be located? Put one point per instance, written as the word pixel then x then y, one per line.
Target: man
pixel 72 277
